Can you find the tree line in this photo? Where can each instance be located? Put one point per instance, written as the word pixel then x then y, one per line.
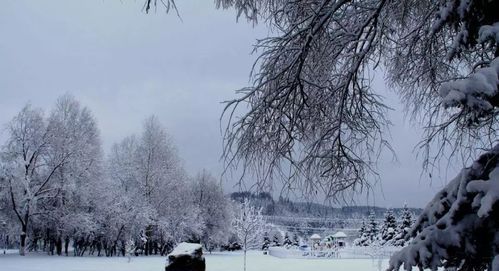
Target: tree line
pixel 390 232
pixel 287 208
pixel 61 194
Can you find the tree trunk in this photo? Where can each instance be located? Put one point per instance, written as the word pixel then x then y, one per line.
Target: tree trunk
pixel 22 247
pixel 51 246
pixel 24 232
pixel 123 248
pixel 245 246
pixel 58 245
pixel 244 259
pixel 66 246
pixel 99 248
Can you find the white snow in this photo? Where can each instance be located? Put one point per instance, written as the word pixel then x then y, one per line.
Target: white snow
pixel 473 91
pixel 315 237
pixel 185 249
pixel 495 264
pixel 489 192
pixel 454 219
pixel 350 252
pixel 489 32
pixel 226 261
pixel 339 234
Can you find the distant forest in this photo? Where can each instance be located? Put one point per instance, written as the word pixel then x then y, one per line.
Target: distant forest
pixel 286 207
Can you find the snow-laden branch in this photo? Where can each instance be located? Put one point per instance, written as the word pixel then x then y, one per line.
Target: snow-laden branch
pixel 311 108
pixel 477 94
pixel 458 228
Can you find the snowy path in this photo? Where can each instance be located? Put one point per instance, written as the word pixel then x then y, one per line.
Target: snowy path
pixel 214 262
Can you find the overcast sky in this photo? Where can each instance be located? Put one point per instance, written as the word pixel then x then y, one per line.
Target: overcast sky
pixel 125 65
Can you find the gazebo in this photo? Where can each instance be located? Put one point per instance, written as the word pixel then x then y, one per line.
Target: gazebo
pixel 316 239
pixel 339 238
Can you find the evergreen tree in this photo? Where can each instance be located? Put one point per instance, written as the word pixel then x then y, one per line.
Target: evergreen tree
pixel 266 241
pixel 404 227
pixel 372 227
pixel 363 239
pixel 287 241
pixel 388 230
pixel 406 218
pixel 276 241
pixel 296 240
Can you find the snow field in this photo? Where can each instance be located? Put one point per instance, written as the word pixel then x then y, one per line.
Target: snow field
pixel 223 261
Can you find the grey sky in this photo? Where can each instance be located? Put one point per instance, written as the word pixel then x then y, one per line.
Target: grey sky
pixel 126 65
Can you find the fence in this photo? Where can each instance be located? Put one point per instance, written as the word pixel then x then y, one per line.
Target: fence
pixel 353 252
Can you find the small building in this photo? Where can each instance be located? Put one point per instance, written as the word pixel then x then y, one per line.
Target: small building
pixel 315 239
pixel 339 239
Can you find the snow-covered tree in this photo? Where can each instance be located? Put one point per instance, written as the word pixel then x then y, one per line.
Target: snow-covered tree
pixel 148 171
pixel 312 93
pixel 311 106
pixel 296 240
pixel 404 227
pixel 369 232
pixel 48 166
pixel 389 228
pixel 23 177
pixel 157 163
pixel 372 227
pixel 406 221
pixel 277 238
pixel 215 210
pixel 266 241
pixel 286 242
pixel 322 56
pixel 249 227
pixel 77 138
pixel 458 228
pixel 54 189
pixel 363 237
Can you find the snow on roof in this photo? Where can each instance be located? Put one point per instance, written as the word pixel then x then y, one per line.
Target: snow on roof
pixel 315 236
pixel 339 234
pixel 185 249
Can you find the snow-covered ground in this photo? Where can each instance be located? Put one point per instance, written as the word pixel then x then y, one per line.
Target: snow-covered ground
pixel 227 261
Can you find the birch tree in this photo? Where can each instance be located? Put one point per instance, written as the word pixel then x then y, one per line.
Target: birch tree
pixel 149 172
pixel 312 108
pixel 27 176
pixel 48 163
pixel 215 210
pixel 249 227
pixel 75 136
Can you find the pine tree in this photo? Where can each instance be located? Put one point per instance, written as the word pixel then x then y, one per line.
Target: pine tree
pixel 406 218
pixel 404 227
pixel 276 241
pixel 363 239
pixel 296 240
pixel 372 227
pixel 266 241
pixel 287 242
pixel 388 230
pixel 362 229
